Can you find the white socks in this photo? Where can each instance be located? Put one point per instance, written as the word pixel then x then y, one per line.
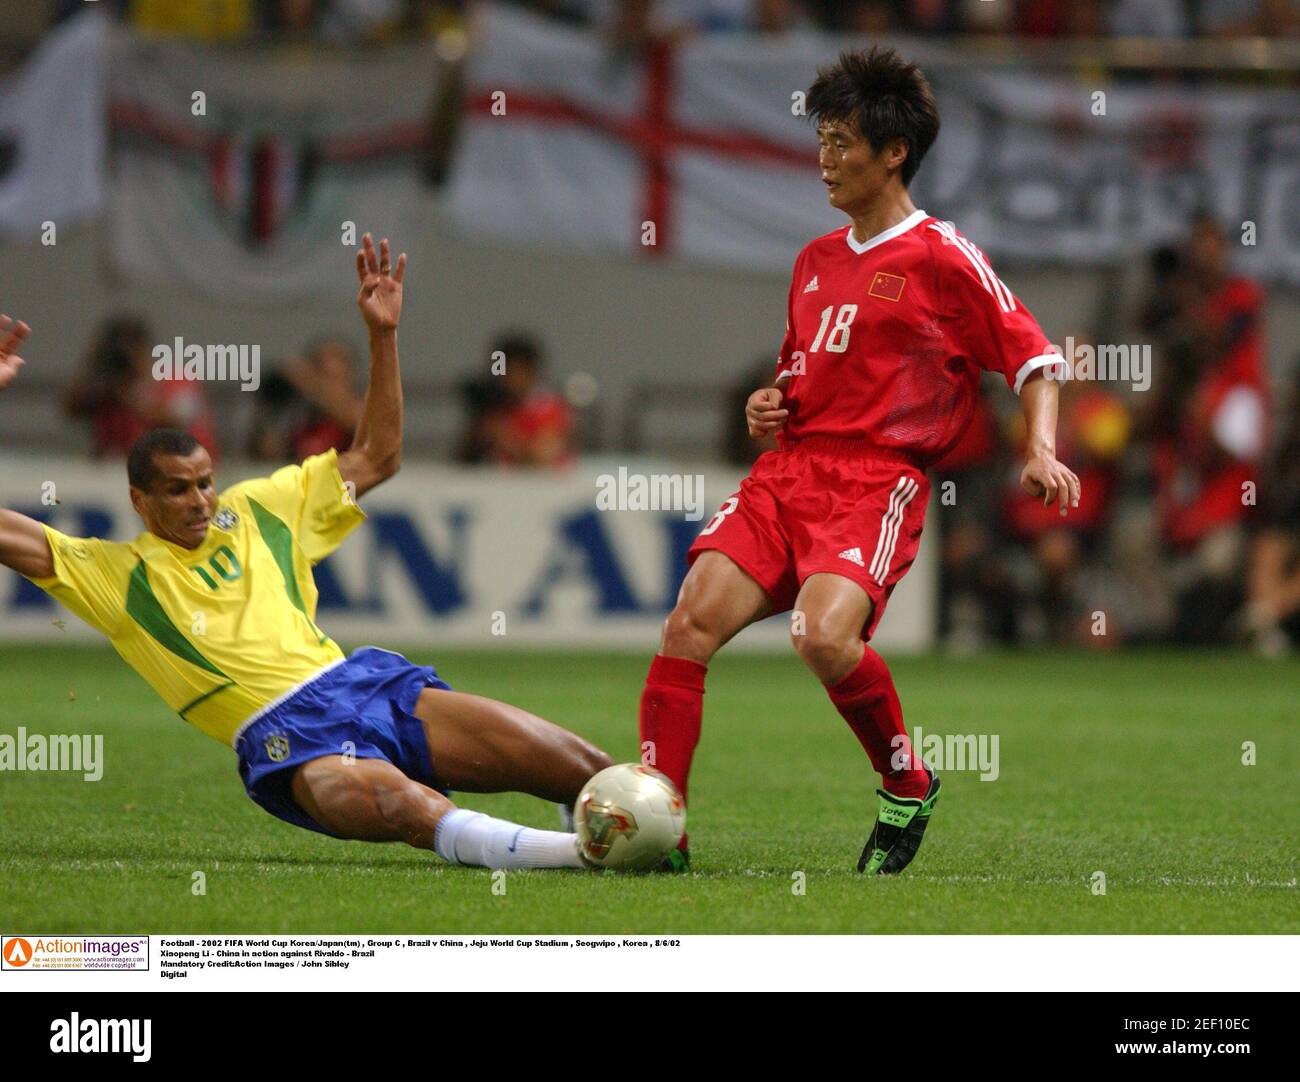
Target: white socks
pixel 467 837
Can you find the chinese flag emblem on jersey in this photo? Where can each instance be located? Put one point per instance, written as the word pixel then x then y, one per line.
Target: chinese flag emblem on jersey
pixel 887 286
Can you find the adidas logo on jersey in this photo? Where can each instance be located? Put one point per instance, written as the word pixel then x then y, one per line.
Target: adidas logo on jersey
pixel 812 286
pixel 853 555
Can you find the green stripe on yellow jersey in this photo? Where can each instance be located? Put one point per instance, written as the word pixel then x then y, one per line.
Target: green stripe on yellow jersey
pixel 224 629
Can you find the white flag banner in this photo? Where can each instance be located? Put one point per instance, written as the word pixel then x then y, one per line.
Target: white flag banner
pixel 1039 168
pixel 52 131
pixel 702 151
pixel 693 151
pixel 244 172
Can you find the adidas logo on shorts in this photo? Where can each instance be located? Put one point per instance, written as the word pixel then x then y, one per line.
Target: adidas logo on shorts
pixel 853 555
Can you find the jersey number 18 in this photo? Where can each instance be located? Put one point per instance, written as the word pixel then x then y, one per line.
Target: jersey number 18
pixel 838 342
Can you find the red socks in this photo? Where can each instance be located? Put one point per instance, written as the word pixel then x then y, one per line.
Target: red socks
pixel 672 705
pixel 866 699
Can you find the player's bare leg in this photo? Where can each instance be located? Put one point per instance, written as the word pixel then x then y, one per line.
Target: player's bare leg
pixel 826 626
pixel 716 601
pixel 479 745
pixel 371 800
pixel 829 615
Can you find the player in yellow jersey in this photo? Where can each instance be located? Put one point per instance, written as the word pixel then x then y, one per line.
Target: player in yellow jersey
pixel 364 747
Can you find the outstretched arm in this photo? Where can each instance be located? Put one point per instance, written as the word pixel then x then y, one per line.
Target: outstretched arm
pixel 23 545
pixel 376 452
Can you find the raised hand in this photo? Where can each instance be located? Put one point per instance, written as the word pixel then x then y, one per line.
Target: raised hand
pixel 11 337
pixel 380 299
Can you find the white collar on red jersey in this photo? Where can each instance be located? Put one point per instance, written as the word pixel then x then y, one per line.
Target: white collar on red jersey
pixel 910 222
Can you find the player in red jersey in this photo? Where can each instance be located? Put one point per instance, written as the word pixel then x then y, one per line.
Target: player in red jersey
pixel 890 322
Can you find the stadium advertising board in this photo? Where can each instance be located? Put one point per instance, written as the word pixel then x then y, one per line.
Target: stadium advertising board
pixel 470 557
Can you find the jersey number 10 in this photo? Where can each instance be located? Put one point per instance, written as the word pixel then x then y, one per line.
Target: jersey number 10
pixel 230 570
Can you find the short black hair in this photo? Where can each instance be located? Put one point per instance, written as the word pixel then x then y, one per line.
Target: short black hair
pixel 884 96
pixel 141 470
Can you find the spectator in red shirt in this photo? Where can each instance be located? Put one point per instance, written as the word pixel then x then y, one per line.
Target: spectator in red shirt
pixel 326 381
pixel 1211 431
pixel 1093 432
pixel 1212 448
pixel 977 598
pixel 309 405
pixel 516 420
pixel 119 395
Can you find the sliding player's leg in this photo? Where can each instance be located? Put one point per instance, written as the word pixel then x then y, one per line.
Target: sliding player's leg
pixel 372 800
pixel 479 745
pixel 368 800
pixel 484 746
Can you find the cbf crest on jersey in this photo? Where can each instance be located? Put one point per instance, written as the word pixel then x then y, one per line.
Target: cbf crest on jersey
pixel 277 747
pixel 225 519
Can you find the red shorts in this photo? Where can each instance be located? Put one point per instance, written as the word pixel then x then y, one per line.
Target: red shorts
pixel 823 505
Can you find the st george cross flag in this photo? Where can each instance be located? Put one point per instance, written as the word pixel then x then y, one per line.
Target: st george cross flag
pixel 693 151
pixel 703 150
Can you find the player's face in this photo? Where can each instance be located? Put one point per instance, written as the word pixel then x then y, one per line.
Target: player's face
pixel 182 499
pixel 853 172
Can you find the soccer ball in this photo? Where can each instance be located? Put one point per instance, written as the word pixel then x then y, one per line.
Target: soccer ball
pixel 629 818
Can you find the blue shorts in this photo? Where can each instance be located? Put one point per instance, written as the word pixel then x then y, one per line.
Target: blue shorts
pixel 364 706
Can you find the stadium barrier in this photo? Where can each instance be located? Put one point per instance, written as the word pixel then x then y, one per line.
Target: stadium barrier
pixel 470 557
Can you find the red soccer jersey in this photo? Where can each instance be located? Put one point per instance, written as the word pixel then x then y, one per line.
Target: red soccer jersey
pixel 886 339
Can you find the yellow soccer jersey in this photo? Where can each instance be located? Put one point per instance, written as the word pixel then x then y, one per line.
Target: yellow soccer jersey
pixel 222 630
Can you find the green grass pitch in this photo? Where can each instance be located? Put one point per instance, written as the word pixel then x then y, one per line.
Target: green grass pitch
pixel 1126 764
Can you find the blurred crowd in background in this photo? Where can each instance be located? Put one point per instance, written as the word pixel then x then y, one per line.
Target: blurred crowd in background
pixel 339 22
pixel 310 403
pixel 351 21
pixel 1188 529
pixel 1189 525
pixel 1026 18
